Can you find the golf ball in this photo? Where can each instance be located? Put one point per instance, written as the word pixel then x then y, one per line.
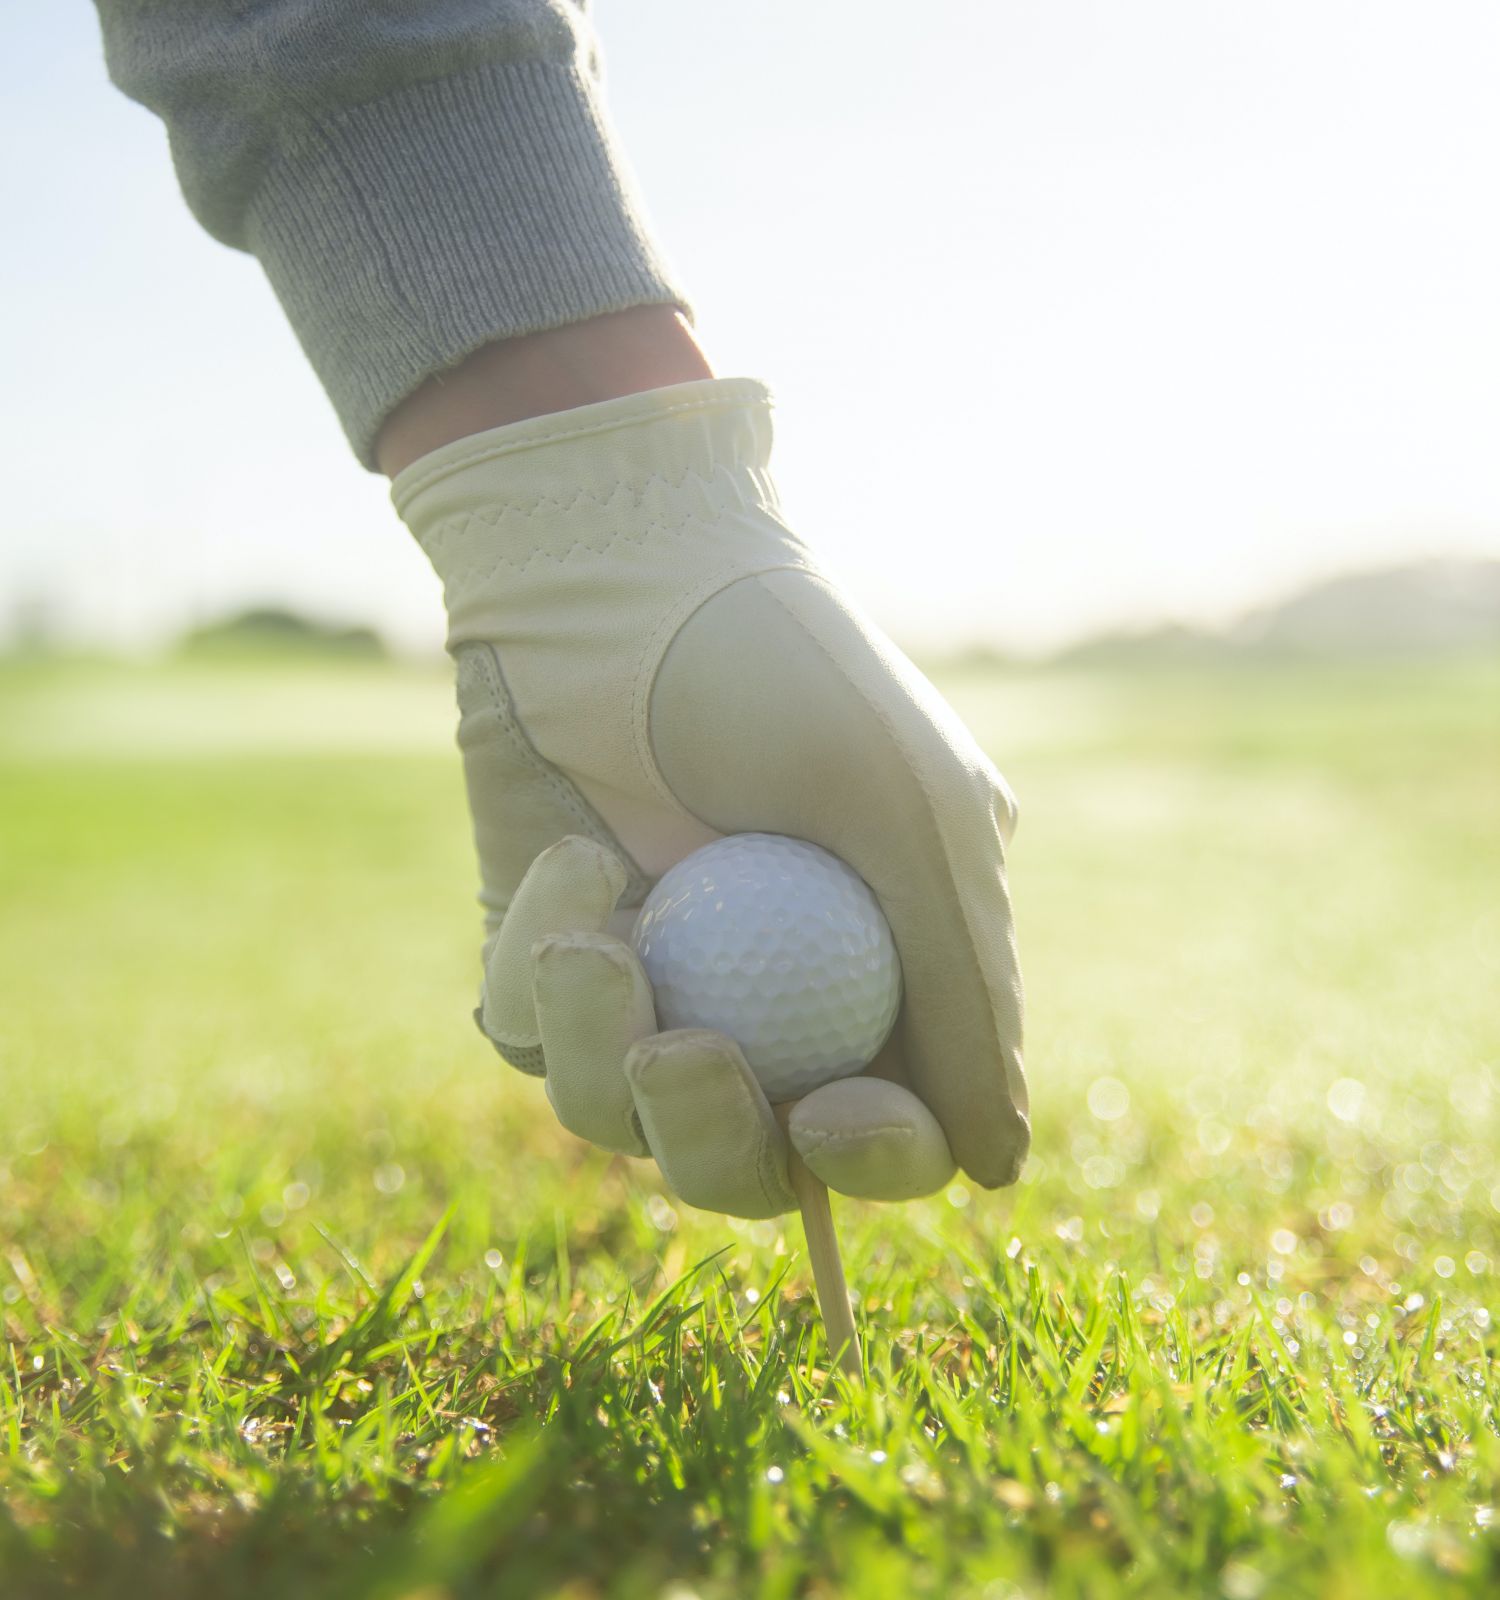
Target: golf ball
pixel 779 945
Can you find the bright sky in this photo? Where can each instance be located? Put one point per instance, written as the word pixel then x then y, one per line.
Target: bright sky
pixel 1077 312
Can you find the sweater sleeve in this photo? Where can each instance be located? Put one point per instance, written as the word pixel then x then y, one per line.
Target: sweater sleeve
pixel 416 181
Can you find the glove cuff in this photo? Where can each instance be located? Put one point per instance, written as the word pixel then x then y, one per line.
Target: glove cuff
pixel 700 428
pixel 535 503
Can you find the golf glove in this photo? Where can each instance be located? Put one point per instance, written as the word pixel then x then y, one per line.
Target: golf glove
pixel 648 659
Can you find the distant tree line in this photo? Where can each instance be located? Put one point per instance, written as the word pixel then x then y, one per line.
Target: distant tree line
pixel 274 630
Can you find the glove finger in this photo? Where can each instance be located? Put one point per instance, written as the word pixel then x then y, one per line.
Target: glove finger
pixel 592 1003
pixel 871 1139
pixel 709 1124
pixel 571 887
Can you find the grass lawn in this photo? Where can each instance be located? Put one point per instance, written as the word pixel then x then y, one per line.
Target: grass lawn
pixel 304 1293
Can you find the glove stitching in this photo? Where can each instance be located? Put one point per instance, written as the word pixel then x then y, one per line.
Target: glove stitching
pixel 632 491
pixel 562 789
pixel 505 564
pixel 820 1138
pixel 766 1174
pixel 746 391
pixel 525 1059
pixel 677 527
pixel 775 1189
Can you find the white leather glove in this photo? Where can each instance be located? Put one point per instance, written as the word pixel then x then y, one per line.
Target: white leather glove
pixel 648 659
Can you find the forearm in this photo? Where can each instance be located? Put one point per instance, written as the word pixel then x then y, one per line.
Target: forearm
pixel 416 186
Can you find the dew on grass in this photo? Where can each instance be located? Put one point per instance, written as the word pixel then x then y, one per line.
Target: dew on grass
pixel 1213 1136
pixel 494 1260
pixel 1407 1539
pixel 1108 1099
pixel 922 1480
pixel 774 1475
pixel 1240 1581
pixel 1346 1098
pixel 1413 1177
pixel 1102 1172
pixel 389 1177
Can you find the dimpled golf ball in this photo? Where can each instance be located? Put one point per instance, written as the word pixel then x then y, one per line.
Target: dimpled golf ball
pixel 779 945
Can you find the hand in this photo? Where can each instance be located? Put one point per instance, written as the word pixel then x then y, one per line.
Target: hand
pixel 647 660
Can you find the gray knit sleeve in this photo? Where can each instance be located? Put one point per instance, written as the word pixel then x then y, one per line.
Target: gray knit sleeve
pixel 416 180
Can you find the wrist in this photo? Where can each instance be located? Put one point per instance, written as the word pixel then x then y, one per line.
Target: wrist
pixel 534 374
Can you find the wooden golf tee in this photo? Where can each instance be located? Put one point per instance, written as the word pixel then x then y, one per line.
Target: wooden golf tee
pixel 823 1253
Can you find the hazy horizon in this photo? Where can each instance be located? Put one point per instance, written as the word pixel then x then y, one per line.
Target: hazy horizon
pixel 1078 318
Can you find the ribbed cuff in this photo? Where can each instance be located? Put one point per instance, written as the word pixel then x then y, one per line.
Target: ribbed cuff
pixel 404 233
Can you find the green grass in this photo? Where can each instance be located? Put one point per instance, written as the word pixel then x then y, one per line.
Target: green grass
pixel 304 1293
